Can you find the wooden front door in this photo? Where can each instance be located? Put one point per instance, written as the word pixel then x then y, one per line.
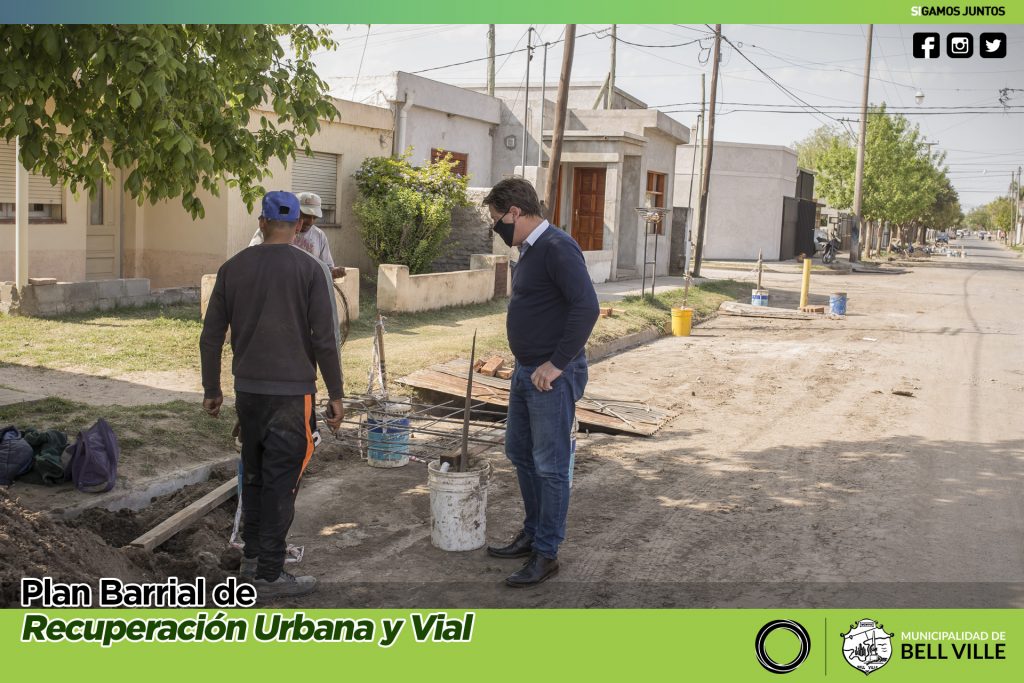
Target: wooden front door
pixel 103 235
pixel 588 208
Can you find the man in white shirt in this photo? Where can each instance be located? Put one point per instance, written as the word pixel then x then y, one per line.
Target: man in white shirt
pixel 309 238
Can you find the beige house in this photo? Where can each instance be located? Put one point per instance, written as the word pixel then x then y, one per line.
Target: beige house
pixel 72 238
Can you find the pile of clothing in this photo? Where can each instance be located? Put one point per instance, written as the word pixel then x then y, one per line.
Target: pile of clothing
pixel 44 457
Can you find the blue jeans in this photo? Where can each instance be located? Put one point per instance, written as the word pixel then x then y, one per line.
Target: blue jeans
pixel 537 441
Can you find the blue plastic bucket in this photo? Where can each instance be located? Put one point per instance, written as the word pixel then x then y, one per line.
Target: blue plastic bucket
pixel 388 438
pixel 837 303
pixel 759 297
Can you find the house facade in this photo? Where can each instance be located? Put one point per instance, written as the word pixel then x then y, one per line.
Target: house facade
pixel 745 212
pixel 613 161
pixel 74 238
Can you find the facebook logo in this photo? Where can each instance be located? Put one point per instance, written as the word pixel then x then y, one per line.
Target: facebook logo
pixel 926 45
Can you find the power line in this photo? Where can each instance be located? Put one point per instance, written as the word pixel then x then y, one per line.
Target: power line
pixel 776 83
pixel 502 54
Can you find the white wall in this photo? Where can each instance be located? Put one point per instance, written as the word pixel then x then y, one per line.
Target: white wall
pixel 747 185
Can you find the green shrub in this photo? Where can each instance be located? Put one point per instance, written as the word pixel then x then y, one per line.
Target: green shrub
pixel 406 211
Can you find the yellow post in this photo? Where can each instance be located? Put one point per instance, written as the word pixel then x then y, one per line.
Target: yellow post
pixel 806 285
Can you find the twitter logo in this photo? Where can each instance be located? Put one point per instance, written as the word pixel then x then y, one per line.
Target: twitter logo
pixel 993 45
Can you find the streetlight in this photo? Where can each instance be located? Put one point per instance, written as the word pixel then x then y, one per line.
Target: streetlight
pixel 919 97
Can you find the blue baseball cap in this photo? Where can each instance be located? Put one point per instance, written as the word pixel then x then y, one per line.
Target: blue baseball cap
pixel 280 206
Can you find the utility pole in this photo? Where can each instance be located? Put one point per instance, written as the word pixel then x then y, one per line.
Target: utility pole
pixel 555 160
pixel 706 181
pixel 689 197
pixel 858 183
pixel 1019 228
pixel 611 70
pixel 543 103
pixel 702 122
pixel 526 100
pixel 1014 232
pixel 490 59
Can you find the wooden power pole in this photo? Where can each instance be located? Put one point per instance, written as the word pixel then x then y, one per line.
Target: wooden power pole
pixel 705 184
pixel 490 60
pixel 561 105
pixel 858 182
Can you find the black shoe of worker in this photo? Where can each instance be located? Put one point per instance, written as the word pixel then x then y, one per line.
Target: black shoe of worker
pixel 537 570
pixel 521 546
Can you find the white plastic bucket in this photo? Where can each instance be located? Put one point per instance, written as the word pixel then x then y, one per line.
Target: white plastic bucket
pixel 458 506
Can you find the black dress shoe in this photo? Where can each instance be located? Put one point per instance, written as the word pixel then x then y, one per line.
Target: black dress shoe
pixel 521 546
pixel 538 569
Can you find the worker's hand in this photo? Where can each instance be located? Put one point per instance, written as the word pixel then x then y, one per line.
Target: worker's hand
pixel 335 414
pixel 544 376
pixel 212 405
pixel 337 272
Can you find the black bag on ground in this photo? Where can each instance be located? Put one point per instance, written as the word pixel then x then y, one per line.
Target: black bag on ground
pixel 15 455
pixel 48 447
pixel 94 459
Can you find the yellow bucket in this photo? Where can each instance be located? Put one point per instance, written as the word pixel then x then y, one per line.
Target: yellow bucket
pixel 682 319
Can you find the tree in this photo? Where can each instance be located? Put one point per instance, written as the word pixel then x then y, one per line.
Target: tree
pixel 406 211
pixel 903 183
pixel 979 218
pixel 169 104
pixel 810 150
pixel 1000 210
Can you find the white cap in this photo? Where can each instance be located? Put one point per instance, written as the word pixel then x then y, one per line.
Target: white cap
pixel 309 204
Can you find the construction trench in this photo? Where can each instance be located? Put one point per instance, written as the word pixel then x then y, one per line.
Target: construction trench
pixel 194 531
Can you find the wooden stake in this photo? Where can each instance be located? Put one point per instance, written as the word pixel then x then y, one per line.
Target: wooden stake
pixel 760 268
pixel 464 460
pixel 379 340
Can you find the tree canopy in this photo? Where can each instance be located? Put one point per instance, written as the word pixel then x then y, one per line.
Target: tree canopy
pixel 903 182
pixel 169 104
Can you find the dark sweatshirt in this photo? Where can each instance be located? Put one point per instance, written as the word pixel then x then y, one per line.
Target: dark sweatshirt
pixel 279 303
pixel 553 306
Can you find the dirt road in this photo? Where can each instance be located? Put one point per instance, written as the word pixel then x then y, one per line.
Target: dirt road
pixel 793 477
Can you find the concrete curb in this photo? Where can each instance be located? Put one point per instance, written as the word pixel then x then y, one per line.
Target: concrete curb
pixel 610 348
pixel 141 495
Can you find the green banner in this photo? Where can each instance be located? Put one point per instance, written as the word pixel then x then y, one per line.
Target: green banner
pixel 486 645
pixel 523 11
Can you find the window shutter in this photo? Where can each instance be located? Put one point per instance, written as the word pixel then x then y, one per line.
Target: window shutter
pixel 40 191
pixel 317 174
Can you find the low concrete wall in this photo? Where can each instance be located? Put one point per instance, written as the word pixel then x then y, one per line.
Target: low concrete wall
pixel 94 295
pixel 599 265
pixel 400 292
pixel 349 285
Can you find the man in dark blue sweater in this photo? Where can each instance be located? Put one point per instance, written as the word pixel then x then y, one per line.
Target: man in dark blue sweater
pixel 550 317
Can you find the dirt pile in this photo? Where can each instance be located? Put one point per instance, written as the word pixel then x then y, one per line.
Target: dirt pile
pixel 35 544
pixel 93 546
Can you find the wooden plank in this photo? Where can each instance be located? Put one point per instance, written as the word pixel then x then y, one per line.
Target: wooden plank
pixel 184 518
pixel 735 308
pixel 433 380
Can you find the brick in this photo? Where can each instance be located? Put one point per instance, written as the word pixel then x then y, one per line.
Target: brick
pixel 505 373
pixel 492 365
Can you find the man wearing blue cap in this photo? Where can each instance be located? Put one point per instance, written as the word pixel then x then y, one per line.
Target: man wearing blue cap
pixel 276 299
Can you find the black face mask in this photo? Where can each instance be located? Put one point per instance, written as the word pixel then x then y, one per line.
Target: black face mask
pixel 506 231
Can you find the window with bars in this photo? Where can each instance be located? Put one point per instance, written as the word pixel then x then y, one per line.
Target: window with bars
pixel 461 160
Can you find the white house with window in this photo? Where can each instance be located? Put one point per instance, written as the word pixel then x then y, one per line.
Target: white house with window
pixel 74 238
pixel 433 118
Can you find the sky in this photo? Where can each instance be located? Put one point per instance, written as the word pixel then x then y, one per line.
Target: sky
pixel 821 67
